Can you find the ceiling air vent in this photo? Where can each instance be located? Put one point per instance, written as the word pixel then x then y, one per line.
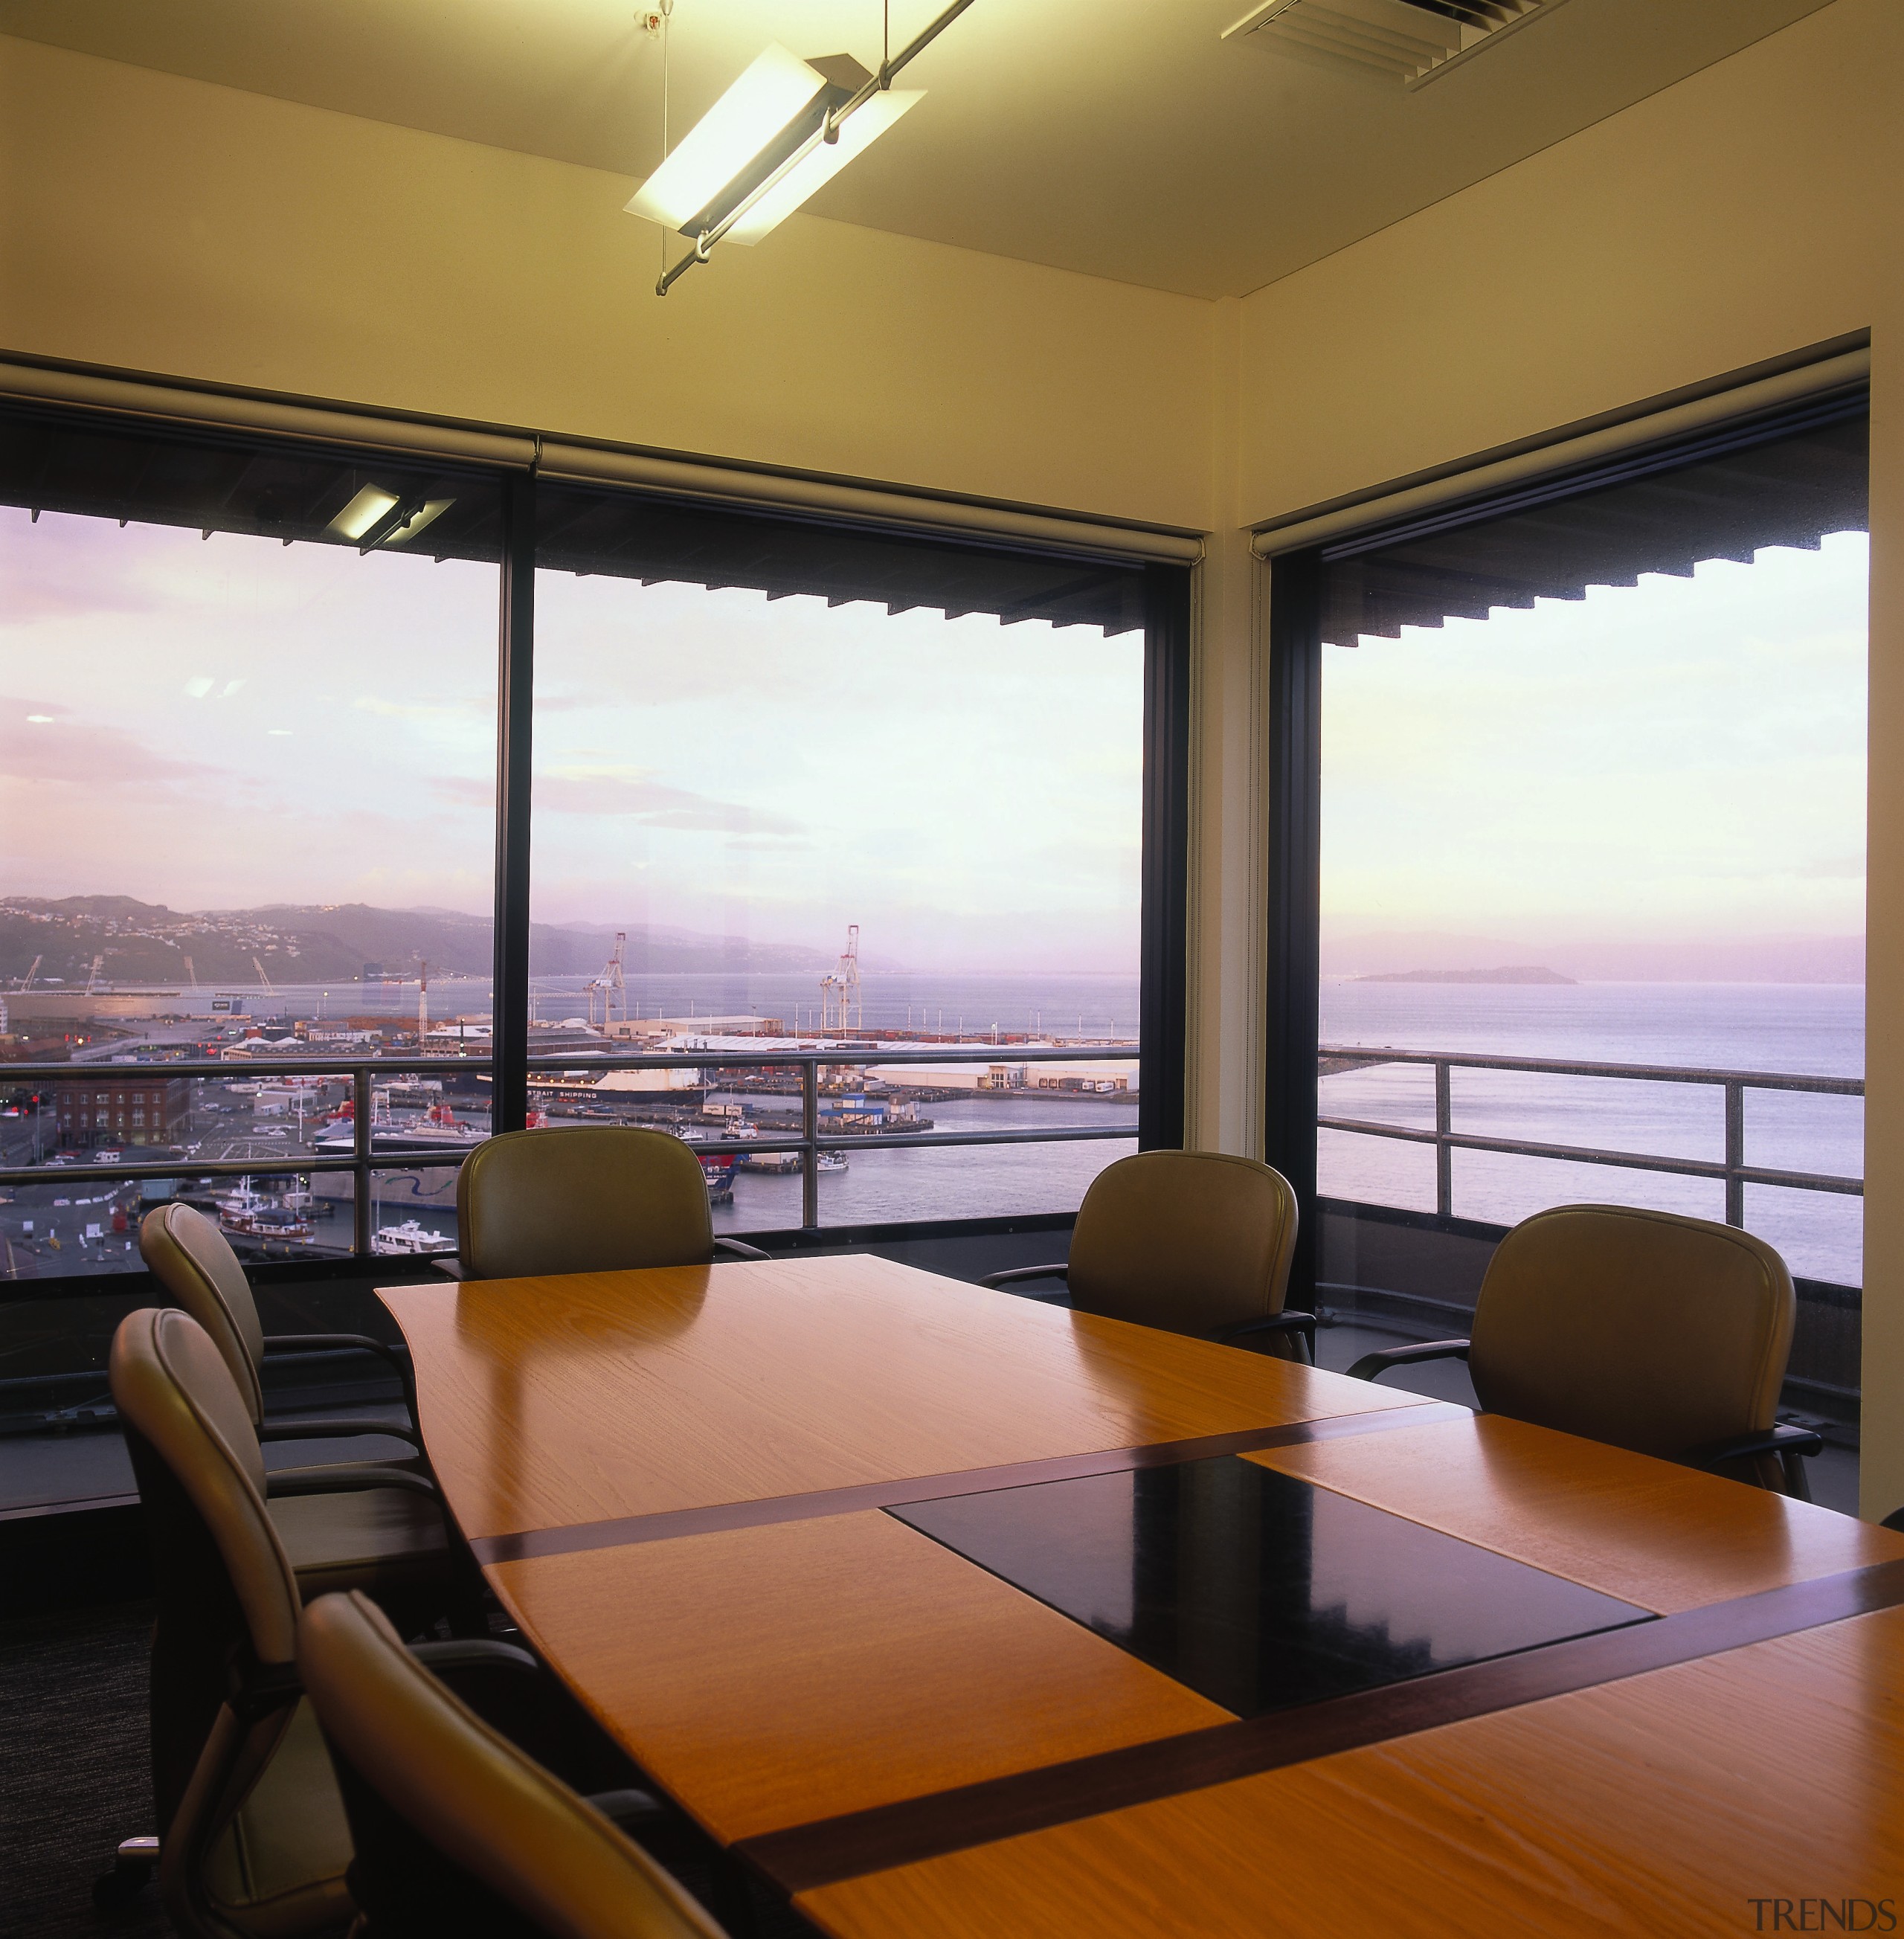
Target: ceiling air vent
pixel 1415 40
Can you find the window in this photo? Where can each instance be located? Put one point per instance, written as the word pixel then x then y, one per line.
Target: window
pixel 799 787
pixel 250 821
pixel 247 701
pixel 1590 771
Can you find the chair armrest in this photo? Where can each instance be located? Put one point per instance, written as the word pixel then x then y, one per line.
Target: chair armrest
pixel 1776 1439
pixel 739 1251
pixel 334 1430
pixel 449 1265
pixel 1288 1321
pixel 475 1653
pixel 1372 1365
pixel 628 1808
pixel 1018 1273
pixel 398 1355
pixel 394 1354
pixel 344 1478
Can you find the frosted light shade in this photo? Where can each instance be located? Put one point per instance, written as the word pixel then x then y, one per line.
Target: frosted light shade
pixel 822 163
pixel 363 512
pixel 771 95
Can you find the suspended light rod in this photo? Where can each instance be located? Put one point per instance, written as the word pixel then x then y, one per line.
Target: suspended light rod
pixel 829 131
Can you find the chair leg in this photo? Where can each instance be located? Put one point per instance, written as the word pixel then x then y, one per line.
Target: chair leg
pixel 132 1867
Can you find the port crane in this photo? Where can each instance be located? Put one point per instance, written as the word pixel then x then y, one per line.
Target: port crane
pixel 32 972
pixel 92 977
pixel 611 986
pixel 262 978
pixel 839 993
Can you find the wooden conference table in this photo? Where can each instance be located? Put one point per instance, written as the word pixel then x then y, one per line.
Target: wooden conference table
pixel 705 1494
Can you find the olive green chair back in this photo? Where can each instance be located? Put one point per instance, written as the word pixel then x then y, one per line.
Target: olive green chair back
pixel 253 1837
pixel 192 1259
pixel 457 1831
pixel 597 1198
pixel 1193 1242
pixel 1644 1330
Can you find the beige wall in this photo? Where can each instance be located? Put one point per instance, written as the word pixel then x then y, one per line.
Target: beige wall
pixel 158 224
pixel 1750 211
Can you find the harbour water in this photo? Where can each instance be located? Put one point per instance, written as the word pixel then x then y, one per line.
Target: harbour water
pixel 1813 1030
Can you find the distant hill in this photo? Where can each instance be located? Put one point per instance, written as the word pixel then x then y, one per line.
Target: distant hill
pixel 1773 957
pixel 147 942
pixel 1523 974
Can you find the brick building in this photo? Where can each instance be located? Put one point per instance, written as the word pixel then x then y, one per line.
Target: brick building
pixel 120 1108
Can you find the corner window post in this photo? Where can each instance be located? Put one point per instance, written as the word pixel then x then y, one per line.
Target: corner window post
pixel 1166 872
pixel 1295 873
pixel 516 696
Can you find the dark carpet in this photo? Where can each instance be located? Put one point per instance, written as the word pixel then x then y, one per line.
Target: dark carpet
pixel 73 1775
pixel 74 1779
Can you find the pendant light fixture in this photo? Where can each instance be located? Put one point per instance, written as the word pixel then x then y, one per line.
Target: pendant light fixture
pixel 779 134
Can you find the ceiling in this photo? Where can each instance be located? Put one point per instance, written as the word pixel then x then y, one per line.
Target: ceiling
pixel 1121 138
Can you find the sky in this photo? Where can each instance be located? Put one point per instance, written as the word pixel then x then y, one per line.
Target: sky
pixel 224 723
pixel 229 721
pixel 1680 761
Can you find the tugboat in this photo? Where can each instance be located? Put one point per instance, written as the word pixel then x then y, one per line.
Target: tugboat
pixel 252 1215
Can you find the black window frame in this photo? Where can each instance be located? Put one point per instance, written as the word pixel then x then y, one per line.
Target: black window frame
pixel 1165 793
pixel 1293 1025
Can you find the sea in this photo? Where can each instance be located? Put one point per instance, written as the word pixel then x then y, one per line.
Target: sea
pixel 1807 1029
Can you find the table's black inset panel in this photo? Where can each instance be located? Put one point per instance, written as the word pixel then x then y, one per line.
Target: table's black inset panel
pixel 1255 1589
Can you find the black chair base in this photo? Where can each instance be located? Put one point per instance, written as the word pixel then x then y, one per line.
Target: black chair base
pixel 132 1867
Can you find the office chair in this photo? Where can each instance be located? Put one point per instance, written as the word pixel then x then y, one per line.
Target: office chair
pixel 595 1198
pixel 457 1831
pixel 1190 1241
pixel 192 1259
pixel 253 1840
pixel 344 1524
pixel 255 1843
pixel 1645 1330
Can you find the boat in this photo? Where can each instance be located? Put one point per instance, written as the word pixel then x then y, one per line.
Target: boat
pixel 410 1237
pixel 769 1162
pixel 437 1130
pixel 248 1214
pixel 832 1161
pixel 718 1170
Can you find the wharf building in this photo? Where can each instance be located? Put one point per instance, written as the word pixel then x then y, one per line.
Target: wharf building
pixel 121 1110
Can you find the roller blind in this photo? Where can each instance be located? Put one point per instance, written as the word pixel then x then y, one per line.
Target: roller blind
pixel 1785 481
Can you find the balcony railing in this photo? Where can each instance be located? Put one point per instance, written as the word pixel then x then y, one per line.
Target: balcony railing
pixel 366 1076
pixel 1733 1169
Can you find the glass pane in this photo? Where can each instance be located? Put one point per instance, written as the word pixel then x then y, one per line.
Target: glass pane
pixel 796 786
pixel 413 1212
pixel 967 1181
pixel 1593 794
pixel 249 724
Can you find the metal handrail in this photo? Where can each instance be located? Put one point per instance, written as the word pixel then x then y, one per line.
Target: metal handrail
pixel 1733 1169
pixel 811 1141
